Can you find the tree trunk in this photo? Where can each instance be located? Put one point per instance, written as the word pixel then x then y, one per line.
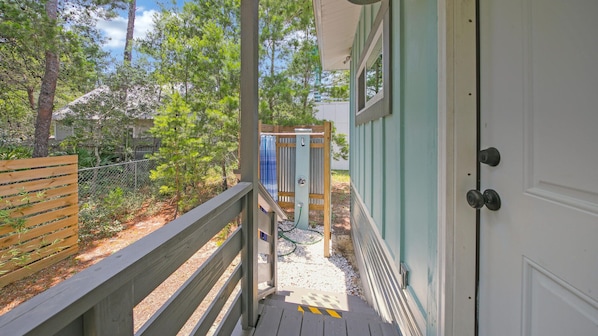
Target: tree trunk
pixel 45 103
pixel 130 29
pixel 224 181
pixel 31 97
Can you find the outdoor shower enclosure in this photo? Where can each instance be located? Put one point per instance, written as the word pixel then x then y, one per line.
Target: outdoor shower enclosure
pixel 281 171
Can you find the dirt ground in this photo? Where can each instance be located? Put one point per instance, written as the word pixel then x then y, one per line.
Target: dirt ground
pixel 92 252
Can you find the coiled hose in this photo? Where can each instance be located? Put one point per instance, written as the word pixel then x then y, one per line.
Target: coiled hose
pixel 281 234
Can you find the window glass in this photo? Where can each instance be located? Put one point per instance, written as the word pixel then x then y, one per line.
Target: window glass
pixel 374 78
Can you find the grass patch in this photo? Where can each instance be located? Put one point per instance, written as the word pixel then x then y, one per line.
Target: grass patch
pixel 341 176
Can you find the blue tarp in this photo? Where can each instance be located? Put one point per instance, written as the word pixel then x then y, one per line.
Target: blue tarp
pixel 268 165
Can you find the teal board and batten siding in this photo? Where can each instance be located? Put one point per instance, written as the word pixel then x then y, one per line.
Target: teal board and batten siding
pixel 394 171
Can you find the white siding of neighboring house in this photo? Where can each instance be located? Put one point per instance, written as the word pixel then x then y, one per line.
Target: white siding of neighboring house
pixel 338 113
pixel 140 129
pixel 61 131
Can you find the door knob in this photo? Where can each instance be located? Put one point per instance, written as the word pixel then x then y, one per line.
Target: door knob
pixel 489 156
pixel 489 198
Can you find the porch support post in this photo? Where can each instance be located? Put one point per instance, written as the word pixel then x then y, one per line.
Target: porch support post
pixel 249 157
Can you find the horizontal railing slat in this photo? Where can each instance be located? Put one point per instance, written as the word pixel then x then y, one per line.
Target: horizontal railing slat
pixel 290 129
pixel 14 189
pixel 292 194
pixel 26 271
pixel 206 321
pixel 266 201
pixel 156 273
pixel 25 175
pixel 38 162
pixel 45 206
pixel 292 145
pixel 40 255
pixel 33 197
pixel 69 223
pixel 231 318
pixel 181 305
pixel 42 247
pixel 291 205
pixel 45 217
pixel 50 311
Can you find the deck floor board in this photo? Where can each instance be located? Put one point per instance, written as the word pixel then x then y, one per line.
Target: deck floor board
pixel 357 327
pixel 269 322
pixel 290 324
pixel 334 326
pixel 305 314
pixel 312 325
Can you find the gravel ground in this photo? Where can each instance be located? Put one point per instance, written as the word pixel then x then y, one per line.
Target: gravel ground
pixel 306 267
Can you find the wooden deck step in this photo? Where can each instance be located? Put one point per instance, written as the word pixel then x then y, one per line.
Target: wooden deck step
pixel 301 312
pixel 276 321
pixel 322 299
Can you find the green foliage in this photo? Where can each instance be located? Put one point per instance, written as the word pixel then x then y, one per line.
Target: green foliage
pixel 7 216
pixel 87 159
pixel 179 169
pixel 335 85
pixel 14 152
pixel 289 62
pixel 31 30
pixel 223 235
pixel 341 176
pixel 196 55
pixel 114 202
pixel 105 217
pixel 342 145
pixel 17 223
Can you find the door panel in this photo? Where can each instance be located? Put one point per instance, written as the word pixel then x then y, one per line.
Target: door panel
pixel 539 107
pixel 552 307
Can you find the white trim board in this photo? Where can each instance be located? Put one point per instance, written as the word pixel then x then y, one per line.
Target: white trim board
pixel 457 166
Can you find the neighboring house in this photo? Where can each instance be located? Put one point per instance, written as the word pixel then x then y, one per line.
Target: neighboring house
pixel 433 82
pixel 338 113
pixel 142 104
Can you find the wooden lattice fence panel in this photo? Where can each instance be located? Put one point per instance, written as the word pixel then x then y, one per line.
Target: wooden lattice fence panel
pixel 38 214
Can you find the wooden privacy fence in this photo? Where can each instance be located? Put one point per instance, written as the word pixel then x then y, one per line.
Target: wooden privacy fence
pixel 38 214
pixel 320 181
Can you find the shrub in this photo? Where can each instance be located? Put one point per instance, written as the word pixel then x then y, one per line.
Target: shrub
pixel 105 218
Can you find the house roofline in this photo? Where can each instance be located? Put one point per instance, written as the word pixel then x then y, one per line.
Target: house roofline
pixel 336 23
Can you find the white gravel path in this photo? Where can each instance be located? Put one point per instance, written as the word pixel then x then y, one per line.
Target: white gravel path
pixel 306 267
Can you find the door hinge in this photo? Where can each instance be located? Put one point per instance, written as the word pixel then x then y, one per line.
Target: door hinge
pixel 404 272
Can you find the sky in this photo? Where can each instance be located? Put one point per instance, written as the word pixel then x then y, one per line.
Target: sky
pixel 115 30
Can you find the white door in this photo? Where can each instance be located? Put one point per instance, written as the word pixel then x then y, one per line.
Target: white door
pixel 539 108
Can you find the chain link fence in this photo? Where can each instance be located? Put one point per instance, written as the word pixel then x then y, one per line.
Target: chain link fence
pixel 131 176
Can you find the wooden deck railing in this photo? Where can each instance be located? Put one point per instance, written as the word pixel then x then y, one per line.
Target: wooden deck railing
pixel 100 299
pixel 268 219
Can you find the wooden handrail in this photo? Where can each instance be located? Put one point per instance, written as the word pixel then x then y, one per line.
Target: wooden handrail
pixel 266 201
pixel 88 302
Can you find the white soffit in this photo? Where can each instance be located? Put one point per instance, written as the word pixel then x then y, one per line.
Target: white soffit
pixel 336 22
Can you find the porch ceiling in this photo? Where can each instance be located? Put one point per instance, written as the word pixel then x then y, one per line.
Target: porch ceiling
pixel 336 22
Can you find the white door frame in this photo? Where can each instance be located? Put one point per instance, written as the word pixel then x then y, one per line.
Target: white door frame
pixel 457 166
